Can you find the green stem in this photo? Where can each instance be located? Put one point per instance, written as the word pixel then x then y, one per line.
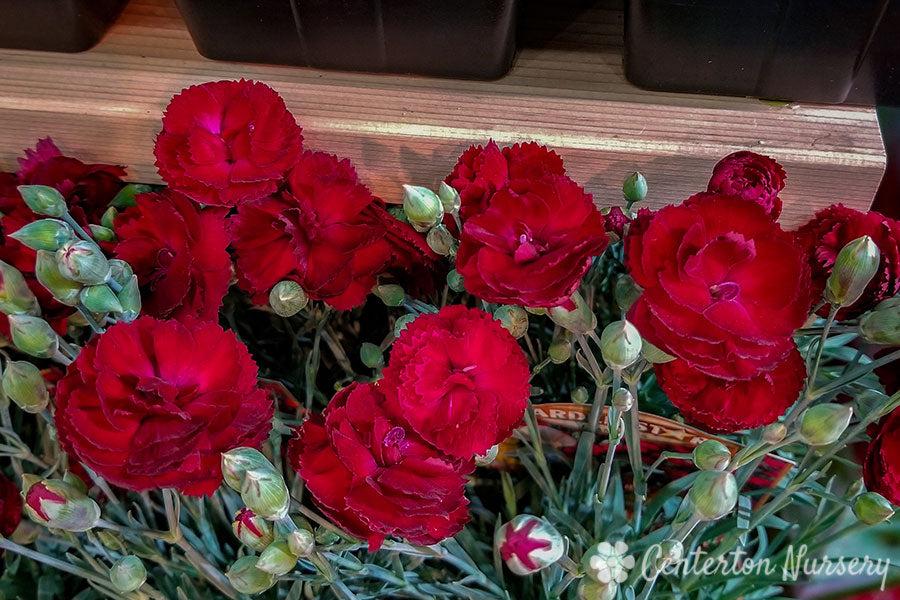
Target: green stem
pixel 95 326
pixel 814 371
pixel 855 374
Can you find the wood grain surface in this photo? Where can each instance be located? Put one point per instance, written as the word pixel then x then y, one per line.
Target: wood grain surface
pixel 566 90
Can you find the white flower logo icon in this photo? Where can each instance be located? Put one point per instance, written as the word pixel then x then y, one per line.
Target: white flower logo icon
pixel 610 563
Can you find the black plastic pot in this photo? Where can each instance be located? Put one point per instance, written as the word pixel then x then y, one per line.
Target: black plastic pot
pixel 798 50
pixel 459 38
pixel 58 25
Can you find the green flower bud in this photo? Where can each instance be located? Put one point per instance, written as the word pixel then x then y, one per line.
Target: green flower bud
pixel 47 272
pixel 441 241
pixel 514 319
pixel 711 455
pixel 127 574
pixel 236 463
pixel 130 300
pixel 774 433
pixel 670 552
pixel 44 234
pixel 423 207
pixel 277 559
pixel 626 292
pixel 265 493
pixel 108 219
pixel 120 271
pixel 125 197
pixel 855 266
pixel 59 505
pixel 102 234
pixel 24 385
pixel 490 455
pixel 83 262
pixel 370 354
pixel 620 344
pixel 823 424
pixel 634 188
pixel 111 540
pixel 43 200
pixel 607 563
pixel 401 323
pixel 580 395
pixel 872 508
pixel 33 335
pixel 713 495
pixel 15 295
pixel 246 578
pixel 456 281
pixel 450 199
pixel 301 542
pixel 528 544
pixel 100 299
pixel 588 589
pixel 252 530
pixel 287 298
pixel 389 293
pixel 578 320
pixel 855 487
pixel 622 400
pixel 560 351
pixel 882 325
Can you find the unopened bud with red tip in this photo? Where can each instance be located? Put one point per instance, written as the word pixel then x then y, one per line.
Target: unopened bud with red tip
pixel 580 319
pixel 252 530
pixel 58 504
pixel 634 188
pixel 514 319
pixel 450 199
pixel 83 262
pixel 24 385
pixel 246 578
pixel 43 200
pixel 44 234
pixel 711 455
pixel 46 270
pixel 389 293
pixel 277 559
pixel 855 266
pixel 265 493
pixel 423 207
pixel 872 508
pixel 15 295
pixel 713 495
pixel 33 335
pixel 100 299
pixel 528 544
pixel 128 574
pixel 823 424
pixel 620 344
pixel 301 542
pixel 882 324
pixel 441 241
pixel 622 400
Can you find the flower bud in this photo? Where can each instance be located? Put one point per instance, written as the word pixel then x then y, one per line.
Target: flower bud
pixel 855 266
pixel 455 281
pixel 44 234
pixel 527 544
pixel 490 455
pixel 560 351
pixel 24 385
pixel 450 199
pixel 774 433
pixel 578 320
pixel 83 262
pixel 15 295
pixel 711 455
pixel 620 344
pixel 237 461
pixel 246 578
pixel 872 508
pixel 654 355
pixel 370 354
pixel 287 298
pixel 100 299
pixel 389 293
pixel 626 292
pixel 823 424
pixel 423 207
pixel 301 542
pixel 130 300
pixel 43 200
pixel 252 530
pixel 580 395
pixel 33 335
pixel 108 219
pixel 441 241
pixel 401 323
pixel 59 505
pixel 607 563
pixel 265 493
pixel 120 271
pixel 514 319
pixel 46 270
pixel 277 559
pixel 670 552
pixel 588 589
pixel 622 400
pixel 634 188
pixel 882 325
pixel 127 574
pixel 713 495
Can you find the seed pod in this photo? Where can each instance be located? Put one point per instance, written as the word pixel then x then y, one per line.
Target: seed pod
pixel 713 495
pixel 823 424
pixel 855 266
pixel 43 200
pixel 287 298
pixel 24 385
pixel 127 574
pixel 620 344
pixel 44 234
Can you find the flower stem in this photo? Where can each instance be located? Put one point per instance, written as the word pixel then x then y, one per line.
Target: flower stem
pixel 814 370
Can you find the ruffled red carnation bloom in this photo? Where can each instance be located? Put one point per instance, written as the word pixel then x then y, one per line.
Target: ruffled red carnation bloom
pixel 88 190
pixel 460 379
pixel 178 252
pixel 227 142
pixel 373 475
pixel 533 244
pixel 317 233
pixel 10 507
pixel 153 404
pixel 615 221
pixel 752 177
pixel 724 286
pixel 830 230
pixel 723 405
pixel 481 171
pixel 881 470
